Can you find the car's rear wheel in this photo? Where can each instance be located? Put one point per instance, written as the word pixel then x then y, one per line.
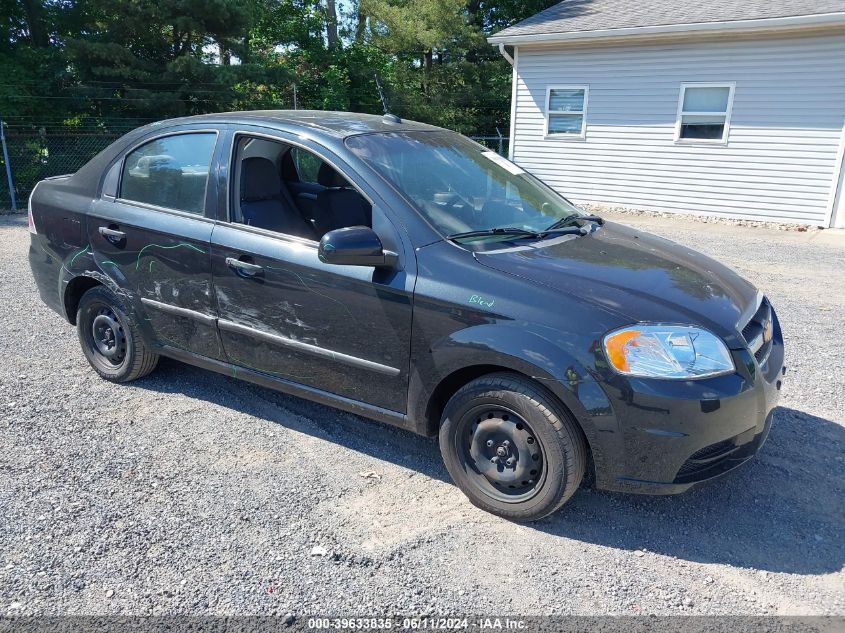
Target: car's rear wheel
pixel 511 447
pixel 110 338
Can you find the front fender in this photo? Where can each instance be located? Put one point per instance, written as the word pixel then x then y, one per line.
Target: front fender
pixel 544 356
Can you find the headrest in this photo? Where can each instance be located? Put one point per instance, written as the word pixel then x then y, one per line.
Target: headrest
pixel 328 177
pixel 158 162
pixel 259 179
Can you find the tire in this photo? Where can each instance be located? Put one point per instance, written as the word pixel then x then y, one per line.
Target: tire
pixel 111 339
pixel 502 417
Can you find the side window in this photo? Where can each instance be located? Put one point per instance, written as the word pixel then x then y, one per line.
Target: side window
pixel 307 165
pixel 261 199
pixel 704 112
pixel 566 111
pixel 170 172
pixel 111 180
pixel 266 194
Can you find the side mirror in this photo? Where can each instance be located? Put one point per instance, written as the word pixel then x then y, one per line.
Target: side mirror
pixel 355 246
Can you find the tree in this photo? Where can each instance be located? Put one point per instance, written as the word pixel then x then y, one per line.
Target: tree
pixel 99 60
pixel 331 25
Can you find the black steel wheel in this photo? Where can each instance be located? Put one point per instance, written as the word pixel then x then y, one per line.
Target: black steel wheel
pixel 110 338
pixel 511 447
pixel 502 455
pixel 108 335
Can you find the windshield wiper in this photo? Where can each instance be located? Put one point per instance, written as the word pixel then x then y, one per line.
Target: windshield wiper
pixel 565 230
pixel 575 216
pixel 516 231
pixel 499 230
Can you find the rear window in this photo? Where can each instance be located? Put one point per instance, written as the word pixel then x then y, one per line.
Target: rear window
pixel 170 172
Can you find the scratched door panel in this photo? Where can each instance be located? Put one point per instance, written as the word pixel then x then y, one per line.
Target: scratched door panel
pixel 162 263
pixel 343 329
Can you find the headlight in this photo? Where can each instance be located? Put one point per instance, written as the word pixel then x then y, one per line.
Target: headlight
pixel 667 351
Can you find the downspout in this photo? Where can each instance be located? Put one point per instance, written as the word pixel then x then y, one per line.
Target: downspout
pixel 505 53
pixel 835 217
pixel 513 61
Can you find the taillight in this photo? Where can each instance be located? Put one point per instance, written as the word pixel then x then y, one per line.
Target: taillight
pixel 29 214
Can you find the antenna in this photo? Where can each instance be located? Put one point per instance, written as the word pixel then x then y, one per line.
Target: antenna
pixel 381 94
pixel 388 117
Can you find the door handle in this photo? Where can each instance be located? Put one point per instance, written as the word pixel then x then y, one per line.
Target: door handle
pixel 244 268
pixel 114 234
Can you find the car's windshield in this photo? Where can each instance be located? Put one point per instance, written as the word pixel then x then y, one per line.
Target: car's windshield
pixel 459 186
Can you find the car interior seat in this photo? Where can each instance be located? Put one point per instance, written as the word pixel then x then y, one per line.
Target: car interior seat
pixel 263 203
pixel 338 205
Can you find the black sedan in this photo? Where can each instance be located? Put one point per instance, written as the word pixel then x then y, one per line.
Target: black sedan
pixel 404 273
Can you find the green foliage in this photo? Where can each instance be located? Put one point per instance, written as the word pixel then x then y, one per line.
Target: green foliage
pixel 418 26
pixel 83 62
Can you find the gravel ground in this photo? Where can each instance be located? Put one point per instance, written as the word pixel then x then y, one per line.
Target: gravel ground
pixel 191 492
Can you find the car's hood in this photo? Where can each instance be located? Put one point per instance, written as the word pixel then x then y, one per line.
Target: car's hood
pixel 639 276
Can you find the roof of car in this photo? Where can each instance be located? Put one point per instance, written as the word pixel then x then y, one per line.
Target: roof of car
pixel 338 124
pixel 592 15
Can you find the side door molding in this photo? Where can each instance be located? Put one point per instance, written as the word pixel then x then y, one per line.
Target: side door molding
pixel 207 319
pixel 354 361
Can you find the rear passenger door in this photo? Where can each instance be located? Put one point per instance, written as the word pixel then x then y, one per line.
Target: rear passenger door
pixel 150 232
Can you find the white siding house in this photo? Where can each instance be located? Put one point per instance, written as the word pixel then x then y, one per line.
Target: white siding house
pixel 741 116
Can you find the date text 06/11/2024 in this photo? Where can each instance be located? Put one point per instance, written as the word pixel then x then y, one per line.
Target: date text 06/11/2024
pixel 413 624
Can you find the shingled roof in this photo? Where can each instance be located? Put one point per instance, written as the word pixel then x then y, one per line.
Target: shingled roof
pixel 585 16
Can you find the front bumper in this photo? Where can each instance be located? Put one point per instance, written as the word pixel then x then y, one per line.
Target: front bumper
pixel 671 435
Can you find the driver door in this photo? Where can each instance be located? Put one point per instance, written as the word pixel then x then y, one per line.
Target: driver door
pixel 344 330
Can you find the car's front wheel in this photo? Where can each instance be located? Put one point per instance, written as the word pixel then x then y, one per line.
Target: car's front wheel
pixel 511 448
pixel 110 338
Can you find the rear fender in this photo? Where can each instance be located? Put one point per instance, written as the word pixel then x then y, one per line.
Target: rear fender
pixel 81 269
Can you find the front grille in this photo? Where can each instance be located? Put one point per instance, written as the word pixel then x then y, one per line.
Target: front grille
pixel 759 330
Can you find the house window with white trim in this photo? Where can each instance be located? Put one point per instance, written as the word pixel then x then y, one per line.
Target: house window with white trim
pixel 704 112
pixel 566 111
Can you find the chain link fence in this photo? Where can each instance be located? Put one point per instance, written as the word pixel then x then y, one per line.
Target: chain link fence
pixel 38 152
pixel 499 144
